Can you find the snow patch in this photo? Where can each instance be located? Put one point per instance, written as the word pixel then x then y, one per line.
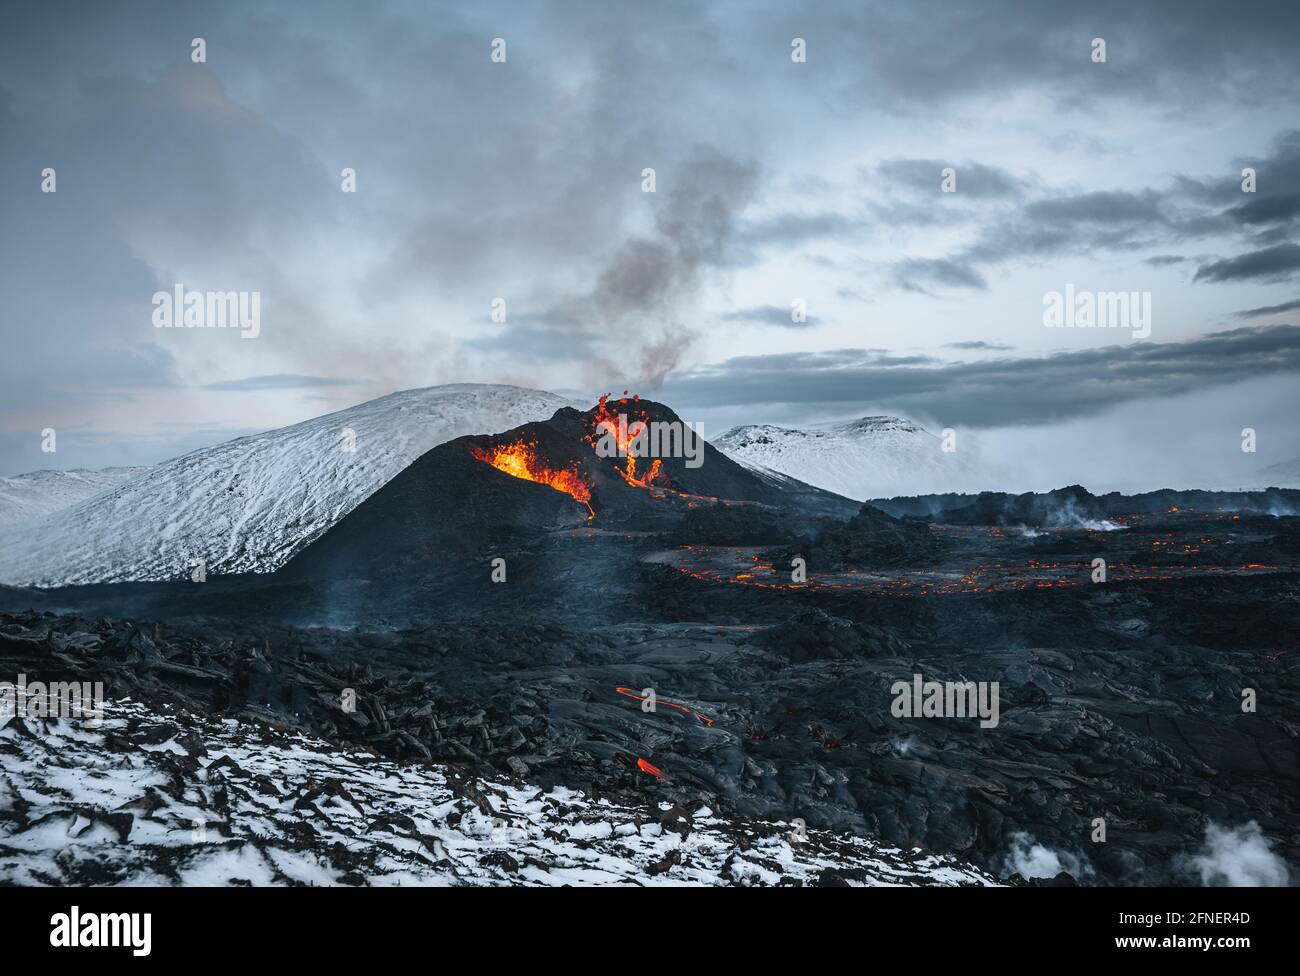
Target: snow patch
pixel 245 804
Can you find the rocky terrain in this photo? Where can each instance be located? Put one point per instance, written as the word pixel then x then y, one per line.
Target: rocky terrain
pixel 159 798
pixel 640 641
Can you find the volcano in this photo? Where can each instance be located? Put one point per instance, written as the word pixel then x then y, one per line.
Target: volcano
pixel 489 495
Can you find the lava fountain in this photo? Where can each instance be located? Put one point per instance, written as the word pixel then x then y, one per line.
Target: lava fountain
pixel 627 437
pixel 519 460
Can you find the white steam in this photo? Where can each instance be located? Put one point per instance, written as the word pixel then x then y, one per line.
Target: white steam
pixel 1033 860
pixel 1240 857
pixel 1101 525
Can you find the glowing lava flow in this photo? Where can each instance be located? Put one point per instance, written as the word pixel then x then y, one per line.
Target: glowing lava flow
pixel 520 460
pixel 629 693
pixel 644 765
pixel 607 423
pixel 653 770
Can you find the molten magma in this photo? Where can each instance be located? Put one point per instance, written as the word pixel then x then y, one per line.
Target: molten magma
pixel 629 693
pixel 607 422
pixel 650 768
pixel 520 460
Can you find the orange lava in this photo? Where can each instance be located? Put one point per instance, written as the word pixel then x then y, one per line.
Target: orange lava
pixel 646 767
pixel 607 421
pixel 520 460
pixel 629 693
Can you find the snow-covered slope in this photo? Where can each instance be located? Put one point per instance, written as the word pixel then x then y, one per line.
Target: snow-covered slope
pixel 873 457
pixel 1285 474
pixel 175 799
pixel 27 497
pixel 251 503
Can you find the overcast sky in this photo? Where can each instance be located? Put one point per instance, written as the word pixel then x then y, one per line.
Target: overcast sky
pixel 777 181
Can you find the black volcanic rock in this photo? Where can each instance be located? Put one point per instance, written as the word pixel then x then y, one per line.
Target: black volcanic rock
pixel 1286 538
pixel 1141 725
pixel 447 504
pixel 731 525
pixel 1071 505
pixel 1063 506
pixel 869 539
pixel 811 634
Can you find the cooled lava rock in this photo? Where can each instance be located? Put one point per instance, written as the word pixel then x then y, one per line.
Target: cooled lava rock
pixel 733 525
pixel 871 538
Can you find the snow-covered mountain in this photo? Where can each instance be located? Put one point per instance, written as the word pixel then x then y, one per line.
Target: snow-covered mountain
pixel 171 798
pixel 874 457
pixel 249 504
pixel 27 497
pixel 1285 474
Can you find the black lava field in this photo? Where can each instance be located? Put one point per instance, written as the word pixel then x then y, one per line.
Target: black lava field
pixel 509 624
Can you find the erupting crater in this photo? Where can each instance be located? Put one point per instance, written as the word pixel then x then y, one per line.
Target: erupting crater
pixel 519 459
pixel 609 424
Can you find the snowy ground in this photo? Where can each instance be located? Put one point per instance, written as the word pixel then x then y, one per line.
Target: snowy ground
pixel 163 799
pixel 28 497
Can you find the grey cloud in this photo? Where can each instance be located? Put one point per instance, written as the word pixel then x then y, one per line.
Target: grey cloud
pixel 770 315
pixel 907 193
pixel 76 311
pixel 478 180
pixel 1099 208
pixel 922 274
pixel 1267 209
pixel 914 214
pixel 976 344
pixel 1271 263
pixel 1256 313
pixel 794 228
pixel 997 392
pixel 1277 175
pixel 914 360
pixel 1270 237
pixel 474 180
pixel 1073 223
pixel 974 180
pixel 277 381
pixel 1056 223
pixel 549 338
pixel 1192 54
